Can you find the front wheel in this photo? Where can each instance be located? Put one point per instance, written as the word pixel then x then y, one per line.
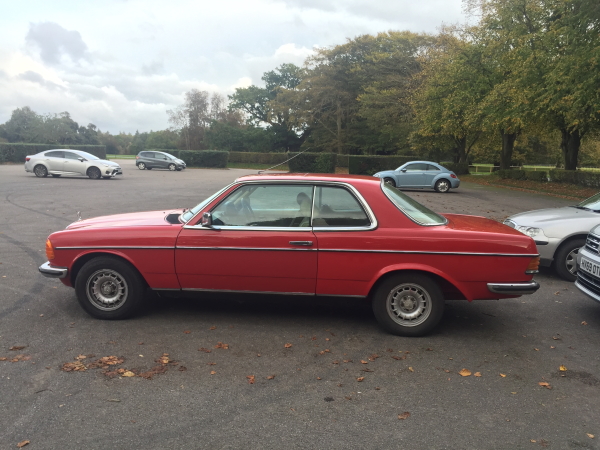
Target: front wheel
pixel 108 288
pixel 565 260
pixel 40 171
pixel 442 186
pixel 390 181
pixel 408 304
pixel 141 166
pixel 93 173
pixel 55 175
pixel 172 167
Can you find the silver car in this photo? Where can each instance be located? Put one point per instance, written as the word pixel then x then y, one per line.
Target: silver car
pixel 559 233
pixel 588 264
pixel 59 162
pixel 420 175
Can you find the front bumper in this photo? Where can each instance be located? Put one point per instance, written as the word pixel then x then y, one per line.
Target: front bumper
pixel 111 172
pixel 53 272
pixel 514 288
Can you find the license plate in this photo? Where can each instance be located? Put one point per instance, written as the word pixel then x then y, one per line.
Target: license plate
pixel 590 267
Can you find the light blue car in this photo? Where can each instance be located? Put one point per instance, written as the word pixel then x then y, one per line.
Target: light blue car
pixel 421 175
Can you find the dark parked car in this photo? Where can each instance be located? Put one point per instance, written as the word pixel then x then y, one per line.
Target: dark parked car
pixel 158 160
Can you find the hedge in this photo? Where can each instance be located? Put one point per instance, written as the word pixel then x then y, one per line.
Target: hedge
pixel 258 158
pixel 204 158
pixel 16 152
pixel 368 165
pixel 457 168
pixel 312 162
pixel 578 177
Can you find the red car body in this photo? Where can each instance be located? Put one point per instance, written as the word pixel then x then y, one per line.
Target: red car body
pixel 467 257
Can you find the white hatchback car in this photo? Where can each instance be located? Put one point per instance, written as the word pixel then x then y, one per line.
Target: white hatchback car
pixel 59 162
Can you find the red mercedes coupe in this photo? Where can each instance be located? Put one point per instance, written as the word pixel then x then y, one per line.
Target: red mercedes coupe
pixel 297 234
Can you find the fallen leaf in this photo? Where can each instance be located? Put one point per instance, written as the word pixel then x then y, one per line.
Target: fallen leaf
pixel 80 357
pixel 74 367
pixel 318 378
pixel 347 360
pixel 314 338
pixel 552 346
pixel 212 363
pixel 477 374
pixel 557 293
pixel 399 358
pixel 327 339
pixel 156 370
pixel 128 373
pixel 584 323
pixel 503 375
pixel 205 350
pixel 20 358
pixel 562 368
pixel 288 345
pixel 404 415
pixel 22 444
pixel 15 348
pixel 556 338
pixel 270 377
pixel 212 372
pixel 465 373
pixel 364 362
pixel 223 346
pixel 359 379
pixel 3 358
pixel 213 328
pixel 187 332
pixel 545 384
pixel 250 379
pixel 411 369
pixel 537 349
pixel 591 436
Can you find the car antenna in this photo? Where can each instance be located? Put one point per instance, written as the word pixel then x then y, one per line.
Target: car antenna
pixel 277 165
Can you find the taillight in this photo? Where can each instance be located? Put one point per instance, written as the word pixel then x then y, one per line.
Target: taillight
pixel 452 175
pixel 27 158
pixel 534 265
pixel 49 250
pixel 137 157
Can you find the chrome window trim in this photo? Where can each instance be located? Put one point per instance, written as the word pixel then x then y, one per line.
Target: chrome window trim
pixel 246 292
pixel 211 198
pixel 105 247
pixel 353 191
pixel 268 249
pixel 424 252
pixel 408 215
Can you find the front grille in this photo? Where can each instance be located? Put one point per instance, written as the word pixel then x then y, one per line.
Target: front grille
pixel 510 223
pixel 592 243
pixel 589 282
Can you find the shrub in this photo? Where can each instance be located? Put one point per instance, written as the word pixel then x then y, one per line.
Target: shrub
pixel 258 158
pixel 541 175
pixel 368 165
pixel 204 158
pixel 457 168
pixel 581 178
pixel 312 162
pixel 511 174
pixel 16 152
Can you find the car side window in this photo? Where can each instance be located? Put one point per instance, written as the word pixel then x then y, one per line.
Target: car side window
pixel 417 167
pixel 337 207
pixel 275 205
pixel 69 155
pixel 148 155
pixel 55 154
pixel 161 156
pixel 430 167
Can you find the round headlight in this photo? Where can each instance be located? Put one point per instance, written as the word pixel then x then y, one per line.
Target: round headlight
pixel 529 231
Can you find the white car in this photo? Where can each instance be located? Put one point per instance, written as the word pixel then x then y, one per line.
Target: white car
pixel 59 162
pixel 588 263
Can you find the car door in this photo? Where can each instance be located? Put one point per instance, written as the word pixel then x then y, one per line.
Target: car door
pixel 431 172
pixel 260 241
pixel 161 160
pixel 412 175
pixel 55 161
pixel 73 165
pixel 148 159
pixel 344 226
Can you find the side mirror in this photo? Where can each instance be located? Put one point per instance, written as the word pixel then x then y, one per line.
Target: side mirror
pixel 81 159
pixel 206 220
pixel 403 170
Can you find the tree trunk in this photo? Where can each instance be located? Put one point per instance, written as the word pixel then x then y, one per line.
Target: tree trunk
pixel 339 127
pixel 569 145
pixel 461 149
pixel 508 145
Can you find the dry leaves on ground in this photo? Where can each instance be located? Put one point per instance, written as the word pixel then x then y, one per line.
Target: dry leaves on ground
pixel 20 358
pixel 465 373
pixel 405 415
pixel 562 368
pixel 250 379
pixel 223 346
pixel 503 375
pixel 270 377
pixel 545 384
pixel 16 348
pixel 288 345
pixel 23 444
pixel 359 379
pixel 477 374
pixel 205 350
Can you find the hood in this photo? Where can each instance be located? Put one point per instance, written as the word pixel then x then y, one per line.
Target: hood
pixel 558 222
pixel 149 218
pixel 107 163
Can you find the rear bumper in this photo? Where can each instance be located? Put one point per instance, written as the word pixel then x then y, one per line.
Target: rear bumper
pixel 514 288
pixel 53 272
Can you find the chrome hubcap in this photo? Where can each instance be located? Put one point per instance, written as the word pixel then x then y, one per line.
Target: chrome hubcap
pixel 571 261
pixel 409 304
pixel 107 289
pixel 443 186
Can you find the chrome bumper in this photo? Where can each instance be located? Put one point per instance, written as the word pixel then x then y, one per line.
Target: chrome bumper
pixel 53 272
pixel 514 288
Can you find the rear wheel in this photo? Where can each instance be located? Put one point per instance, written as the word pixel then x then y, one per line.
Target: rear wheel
pixel 565 259
pixel 109 288
pixel 442 185
pixel 40 171
pixel 409 304
pixel 141 166
pixel 93 173
pixel 172 167
pixel 390 181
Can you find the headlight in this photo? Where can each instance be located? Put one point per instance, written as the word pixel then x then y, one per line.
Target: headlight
pixel 529 231
pixel 377 175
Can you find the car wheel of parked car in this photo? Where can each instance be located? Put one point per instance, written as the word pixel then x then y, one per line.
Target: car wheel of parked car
pixel 172 167
pixel 108 288
pixel 93 173
pixel 442 186
pixel 40 171
pixel 565 258
pixel 106 178
pixel 390 181
pixel 408 304
pixel 55 175
pixel 141 166
pixel 148 168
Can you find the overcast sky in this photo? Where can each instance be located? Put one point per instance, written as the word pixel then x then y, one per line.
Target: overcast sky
pixel 120 64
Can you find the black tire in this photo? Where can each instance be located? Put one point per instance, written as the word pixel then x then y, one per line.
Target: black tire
pixel 148 168
pixel 40 171
pixel 94 173
pixel 565 259
pixel 442 185
pixel 106 178
pixel 389 181
pixel 55 175
pixel 408 304
pixel 141 166
pixel 172 167
pixel 109 288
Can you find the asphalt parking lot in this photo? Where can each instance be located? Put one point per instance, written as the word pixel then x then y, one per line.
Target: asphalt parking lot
pixel 306 395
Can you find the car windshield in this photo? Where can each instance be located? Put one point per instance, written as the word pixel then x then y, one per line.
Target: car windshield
pixel 169 155
pixel 186 216
pixel 87 156
pixel 413 209
pixel 592 203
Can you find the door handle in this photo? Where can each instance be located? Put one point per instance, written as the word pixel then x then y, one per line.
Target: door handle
pixel 302 243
